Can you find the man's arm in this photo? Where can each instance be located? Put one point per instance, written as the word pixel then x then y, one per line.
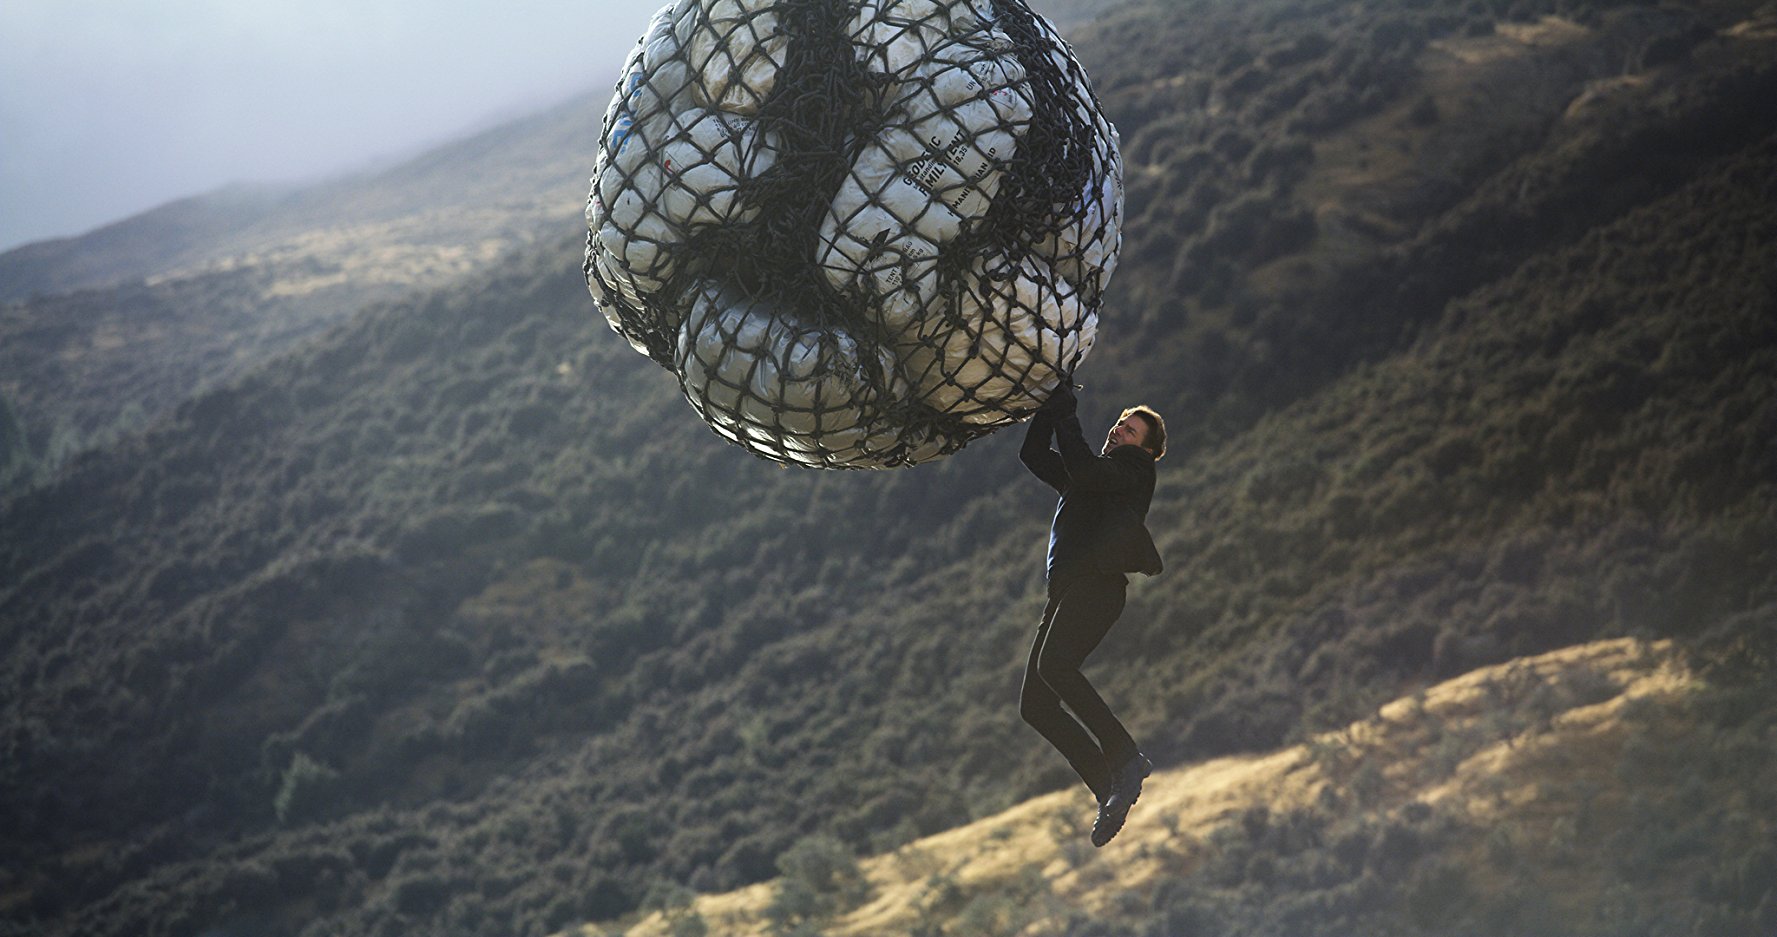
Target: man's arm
pixel 1087 472
pixel 1043 462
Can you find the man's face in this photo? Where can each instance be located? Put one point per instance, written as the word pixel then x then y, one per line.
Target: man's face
pixel 1131 430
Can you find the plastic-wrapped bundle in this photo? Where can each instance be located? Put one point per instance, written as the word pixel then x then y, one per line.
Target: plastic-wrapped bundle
pixel 861 232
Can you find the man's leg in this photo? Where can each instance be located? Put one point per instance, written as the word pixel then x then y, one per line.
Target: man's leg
pixel 1079 619
pixel 1040 706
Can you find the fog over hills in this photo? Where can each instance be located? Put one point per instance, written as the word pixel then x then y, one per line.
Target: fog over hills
pixel 521 173
pixel 356 579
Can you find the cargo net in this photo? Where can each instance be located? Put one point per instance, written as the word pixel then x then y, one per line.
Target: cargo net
pixel 862 234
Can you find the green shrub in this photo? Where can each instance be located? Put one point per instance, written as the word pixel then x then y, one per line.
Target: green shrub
pixel 820 878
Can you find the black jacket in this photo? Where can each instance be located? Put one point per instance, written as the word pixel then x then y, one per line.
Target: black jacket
pixel 1099 521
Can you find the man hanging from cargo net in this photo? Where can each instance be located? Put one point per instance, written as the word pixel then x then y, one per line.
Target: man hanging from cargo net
pixel 1097 538
pixel 861 233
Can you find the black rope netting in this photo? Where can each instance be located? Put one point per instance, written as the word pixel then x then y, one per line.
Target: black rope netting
pixel 861 232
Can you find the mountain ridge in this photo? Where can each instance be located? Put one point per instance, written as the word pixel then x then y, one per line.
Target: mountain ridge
pixel 215 228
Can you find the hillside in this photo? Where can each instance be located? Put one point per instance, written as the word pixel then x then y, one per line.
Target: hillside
pixel 104 334
pixel 452 618
pixel 1448 811
pixel 499 184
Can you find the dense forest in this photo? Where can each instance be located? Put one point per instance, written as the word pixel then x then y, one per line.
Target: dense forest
pixel 453 618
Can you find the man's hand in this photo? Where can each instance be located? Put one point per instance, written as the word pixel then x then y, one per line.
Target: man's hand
pixel 1062 403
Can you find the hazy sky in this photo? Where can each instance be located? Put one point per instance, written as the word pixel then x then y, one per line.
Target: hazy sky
pixel 110 107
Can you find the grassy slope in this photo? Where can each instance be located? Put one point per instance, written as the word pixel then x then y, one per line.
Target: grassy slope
pixel 1499 802
pixel 456 619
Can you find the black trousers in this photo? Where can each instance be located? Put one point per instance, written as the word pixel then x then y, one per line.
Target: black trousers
pixel 1079 614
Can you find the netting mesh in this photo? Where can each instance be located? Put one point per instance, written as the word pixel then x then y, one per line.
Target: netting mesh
pixel 861 232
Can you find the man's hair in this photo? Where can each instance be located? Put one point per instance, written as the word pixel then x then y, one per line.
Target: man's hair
pixel 1155 440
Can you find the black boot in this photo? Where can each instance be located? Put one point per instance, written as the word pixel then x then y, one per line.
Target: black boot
pixel 1125 791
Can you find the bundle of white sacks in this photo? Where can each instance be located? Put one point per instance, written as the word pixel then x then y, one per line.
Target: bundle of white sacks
pixel 908 358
